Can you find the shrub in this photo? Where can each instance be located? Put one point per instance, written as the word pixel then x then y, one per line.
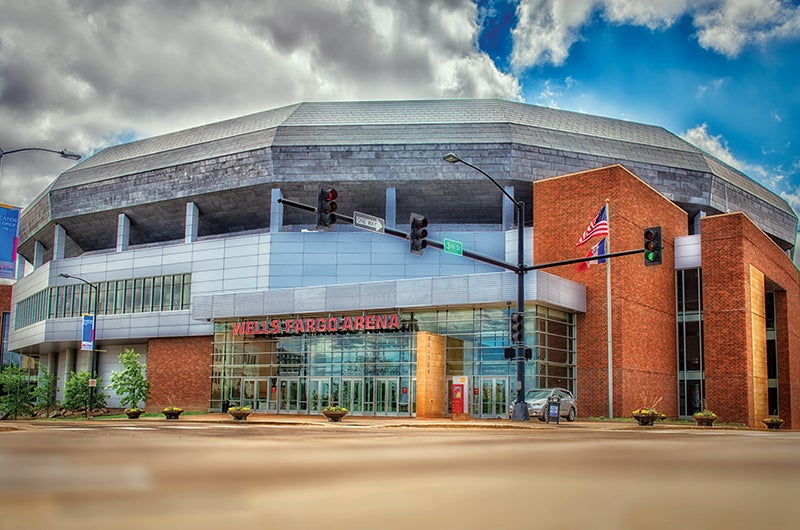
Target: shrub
pixel 76 392
pixel 130 384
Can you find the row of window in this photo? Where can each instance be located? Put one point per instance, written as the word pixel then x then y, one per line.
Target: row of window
pixel 137 295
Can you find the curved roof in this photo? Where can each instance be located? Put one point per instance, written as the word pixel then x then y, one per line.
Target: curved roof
pixel 435 123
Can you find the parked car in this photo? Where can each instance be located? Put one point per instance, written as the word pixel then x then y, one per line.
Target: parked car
pixel 536 399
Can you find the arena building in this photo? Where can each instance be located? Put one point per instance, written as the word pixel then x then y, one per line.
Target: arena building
pixel 183 245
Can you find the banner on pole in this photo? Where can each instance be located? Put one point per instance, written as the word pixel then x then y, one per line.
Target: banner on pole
pixel 9 237
pixel 87 334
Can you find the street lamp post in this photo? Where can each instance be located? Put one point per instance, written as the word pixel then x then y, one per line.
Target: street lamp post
pixel 93 358
pixel 520 408
pixel 64 153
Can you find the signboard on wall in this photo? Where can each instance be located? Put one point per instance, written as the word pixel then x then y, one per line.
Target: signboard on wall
pixel 9 237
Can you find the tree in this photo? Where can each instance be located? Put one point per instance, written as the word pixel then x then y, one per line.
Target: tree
pixel 18 393
pixel 130 384
pixel 76 392
pixel 45 393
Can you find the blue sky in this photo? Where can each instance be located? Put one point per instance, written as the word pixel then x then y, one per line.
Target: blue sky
pixel 86 75
pixel 742 105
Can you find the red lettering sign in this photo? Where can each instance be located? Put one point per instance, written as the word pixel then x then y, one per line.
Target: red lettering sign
pixel 295 326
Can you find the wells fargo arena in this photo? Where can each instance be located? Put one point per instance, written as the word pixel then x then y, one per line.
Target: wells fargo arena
pixel 234 296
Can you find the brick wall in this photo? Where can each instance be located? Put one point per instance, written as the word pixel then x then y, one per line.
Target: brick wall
pixel 643 298
pixel 5 298
pixel 732 245
pixel 179 370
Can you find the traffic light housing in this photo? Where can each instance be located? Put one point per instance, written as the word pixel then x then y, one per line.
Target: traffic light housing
pixel 517 328
pixel 418 234
pixel 652 246
pixel 326 206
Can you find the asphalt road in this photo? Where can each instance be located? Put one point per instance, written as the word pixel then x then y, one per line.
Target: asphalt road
pixel 153 475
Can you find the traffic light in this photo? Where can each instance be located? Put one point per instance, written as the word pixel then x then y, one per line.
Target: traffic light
pixel 418 234
pixel 652 246
pixel 510 353
pixel 517 328
pixel 326 206
pixel 528 353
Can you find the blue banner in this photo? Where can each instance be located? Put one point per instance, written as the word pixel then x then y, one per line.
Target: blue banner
pixel 87 335
pixel 9 232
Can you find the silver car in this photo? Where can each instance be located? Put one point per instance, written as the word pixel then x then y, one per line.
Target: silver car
pixel 537 398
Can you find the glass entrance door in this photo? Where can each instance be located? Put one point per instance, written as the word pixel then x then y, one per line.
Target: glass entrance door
pixel 386 396
pixel 292 396
pixel 323 392
pixel 492 398
pixel 353 395
pixel 255 393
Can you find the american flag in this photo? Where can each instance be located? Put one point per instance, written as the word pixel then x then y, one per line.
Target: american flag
pixel 597 228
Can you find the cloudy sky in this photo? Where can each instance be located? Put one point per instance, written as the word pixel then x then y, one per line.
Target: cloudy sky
pixel 86 74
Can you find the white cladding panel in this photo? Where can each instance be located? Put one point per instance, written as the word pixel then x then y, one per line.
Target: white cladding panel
pixel 688 253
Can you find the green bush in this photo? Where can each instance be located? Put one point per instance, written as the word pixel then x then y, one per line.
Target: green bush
pixel 18 395
pixel 76 392
pixel 45 393
pixel 130 384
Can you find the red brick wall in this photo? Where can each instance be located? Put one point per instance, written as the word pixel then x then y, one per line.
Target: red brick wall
pixel 5 298
pixel 643 298
pixel 179 370
pixel 731 244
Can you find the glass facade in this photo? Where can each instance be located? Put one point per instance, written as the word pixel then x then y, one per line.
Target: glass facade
pixel 374 373
pixel 137 295
pixel 691 384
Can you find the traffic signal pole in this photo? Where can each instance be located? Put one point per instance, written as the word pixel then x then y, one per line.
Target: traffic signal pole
pixel 520 411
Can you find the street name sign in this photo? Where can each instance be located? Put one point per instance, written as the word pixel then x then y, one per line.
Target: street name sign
pixel 452 246
pixel 368 222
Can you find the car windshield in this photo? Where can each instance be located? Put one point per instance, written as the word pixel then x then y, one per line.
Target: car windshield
pixel 537 394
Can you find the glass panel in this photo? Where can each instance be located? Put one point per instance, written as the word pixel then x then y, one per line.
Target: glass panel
pixel 157 288
pixel 147 295
pixel 137 295
pixel 166 294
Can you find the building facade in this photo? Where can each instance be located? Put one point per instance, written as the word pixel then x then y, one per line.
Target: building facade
pixel 190 257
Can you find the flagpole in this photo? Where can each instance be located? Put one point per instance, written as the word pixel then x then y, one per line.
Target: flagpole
pixel 608 316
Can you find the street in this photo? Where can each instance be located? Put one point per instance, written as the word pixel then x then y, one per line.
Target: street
pixel 157 474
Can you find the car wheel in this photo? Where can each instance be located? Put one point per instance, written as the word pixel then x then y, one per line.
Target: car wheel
pixel 571 415
pixel 541 418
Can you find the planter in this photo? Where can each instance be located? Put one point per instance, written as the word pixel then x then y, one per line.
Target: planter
pixel 133 414
pixel 172 414
pixel 239 416
pixel 646 419
pixel 334 415
pixel 773 423
pixel 704 421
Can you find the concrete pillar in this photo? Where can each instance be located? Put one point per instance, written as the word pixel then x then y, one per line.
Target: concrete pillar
pixel 38 254
pixel 123 232
pixel 59 242
pixel 508 208
pixel 696 222
pixel 391 207
pixel 192 223
pixel 20 272
pixel 276 211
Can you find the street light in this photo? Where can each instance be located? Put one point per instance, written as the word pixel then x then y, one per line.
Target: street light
pixel 93 359
pixel 520 408
pixel 64 153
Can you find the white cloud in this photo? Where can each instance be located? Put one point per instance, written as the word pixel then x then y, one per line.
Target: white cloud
pixel 78 74
pixel 653 15
pixel 727 26
pixel 546 29
pixel 712 86
pixel 774 179
pixel 713 145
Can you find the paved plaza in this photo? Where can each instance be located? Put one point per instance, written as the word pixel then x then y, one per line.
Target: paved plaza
pixel 207 472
